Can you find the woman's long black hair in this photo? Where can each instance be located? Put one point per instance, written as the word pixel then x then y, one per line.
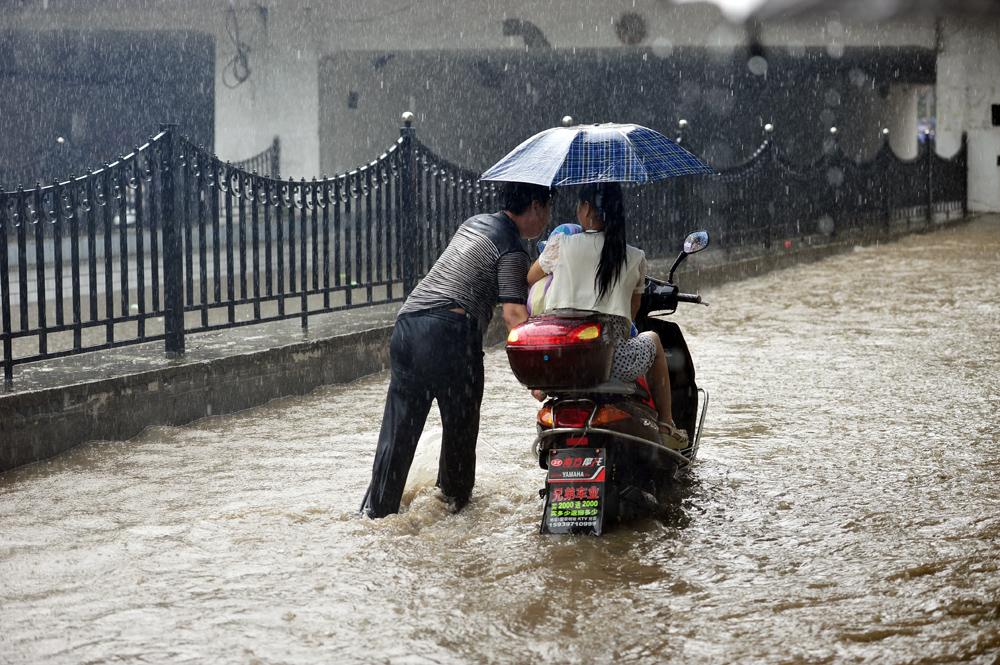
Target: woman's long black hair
pixel 606 197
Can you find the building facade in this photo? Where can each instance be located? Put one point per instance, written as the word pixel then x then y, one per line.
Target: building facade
pixel 332 78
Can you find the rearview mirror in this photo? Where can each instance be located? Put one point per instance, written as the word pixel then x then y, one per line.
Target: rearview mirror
pixel 696 242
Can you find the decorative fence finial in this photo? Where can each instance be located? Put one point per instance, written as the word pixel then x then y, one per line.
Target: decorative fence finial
pixel 408 118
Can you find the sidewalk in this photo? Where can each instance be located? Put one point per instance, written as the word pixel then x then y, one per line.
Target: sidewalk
pixel 199 348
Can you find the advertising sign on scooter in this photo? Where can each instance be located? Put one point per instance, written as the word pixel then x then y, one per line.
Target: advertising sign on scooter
pixel 574 500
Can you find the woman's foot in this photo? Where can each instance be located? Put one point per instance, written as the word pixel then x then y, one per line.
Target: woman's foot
pixel 672 437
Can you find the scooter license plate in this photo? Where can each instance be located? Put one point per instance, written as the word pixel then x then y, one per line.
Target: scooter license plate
pixel 574 500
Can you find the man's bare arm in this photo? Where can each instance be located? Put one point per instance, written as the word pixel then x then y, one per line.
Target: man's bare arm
pixel 514 314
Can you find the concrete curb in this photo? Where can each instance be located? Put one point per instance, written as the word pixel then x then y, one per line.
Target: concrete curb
pixel 38 424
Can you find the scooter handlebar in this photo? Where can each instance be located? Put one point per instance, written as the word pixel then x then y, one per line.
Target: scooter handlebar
pixel 689 297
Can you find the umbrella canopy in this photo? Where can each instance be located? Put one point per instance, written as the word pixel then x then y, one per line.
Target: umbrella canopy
pixel 596 153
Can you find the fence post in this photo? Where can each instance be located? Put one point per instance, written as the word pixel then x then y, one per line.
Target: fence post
pixel 408 220
pixel 930 176
pixel 275 157
pixel 964 154
pixel 173 255
pixel 834 156
pixel 886 180
pixel 767 183
pixel 8 349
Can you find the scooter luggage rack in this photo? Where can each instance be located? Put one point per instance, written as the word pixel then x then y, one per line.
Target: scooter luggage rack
pixel 620 387
pixel 676 456
pixel 701 422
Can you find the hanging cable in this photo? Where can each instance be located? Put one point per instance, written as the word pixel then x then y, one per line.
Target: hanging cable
pixel 237 70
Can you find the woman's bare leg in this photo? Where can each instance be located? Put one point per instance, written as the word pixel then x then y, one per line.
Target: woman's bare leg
pixel 658 380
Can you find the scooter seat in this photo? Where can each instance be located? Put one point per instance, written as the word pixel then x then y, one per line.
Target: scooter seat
pixel 612 387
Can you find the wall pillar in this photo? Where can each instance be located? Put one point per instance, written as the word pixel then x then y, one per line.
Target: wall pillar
pixel 967 89
pixel 280 97
pixel 901 119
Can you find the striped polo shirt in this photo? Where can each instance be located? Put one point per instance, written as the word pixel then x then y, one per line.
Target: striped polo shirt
pixel 484 264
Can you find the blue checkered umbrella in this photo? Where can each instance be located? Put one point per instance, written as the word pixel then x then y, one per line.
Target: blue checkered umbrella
pixel 596 153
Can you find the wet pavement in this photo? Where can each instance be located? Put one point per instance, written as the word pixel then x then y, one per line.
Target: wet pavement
pixel 844 508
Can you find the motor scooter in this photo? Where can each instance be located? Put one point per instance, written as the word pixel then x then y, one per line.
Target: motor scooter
pixel 598 438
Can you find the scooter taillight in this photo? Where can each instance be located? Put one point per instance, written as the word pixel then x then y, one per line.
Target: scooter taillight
pixel 551 333
pixel 545 416
pixel 571 417
pixel 578 417
pixel 608 414
pixel 587 333
pixel 565 416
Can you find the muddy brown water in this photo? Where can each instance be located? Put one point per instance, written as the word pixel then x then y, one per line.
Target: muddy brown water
pixel 845 508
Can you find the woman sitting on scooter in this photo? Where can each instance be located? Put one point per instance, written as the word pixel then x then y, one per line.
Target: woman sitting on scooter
pixel 596 270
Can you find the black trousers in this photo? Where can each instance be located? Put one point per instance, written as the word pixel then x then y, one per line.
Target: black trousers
pixel 436 354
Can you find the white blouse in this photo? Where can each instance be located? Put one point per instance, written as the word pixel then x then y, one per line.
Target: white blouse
pixel 572 261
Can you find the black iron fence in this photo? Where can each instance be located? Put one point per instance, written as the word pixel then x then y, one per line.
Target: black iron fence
pixel 169 240
pixel 266 162
pixel 750 207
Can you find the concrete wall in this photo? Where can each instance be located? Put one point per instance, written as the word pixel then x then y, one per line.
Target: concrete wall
pixel 39 424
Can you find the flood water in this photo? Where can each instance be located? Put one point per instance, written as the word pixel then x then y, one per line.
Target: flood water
pixel 845 508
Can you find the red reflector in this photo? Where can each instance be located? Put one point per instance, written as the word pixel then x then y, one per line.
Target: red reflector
pixel 576 441
pixel 569 417
pixel 546 341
